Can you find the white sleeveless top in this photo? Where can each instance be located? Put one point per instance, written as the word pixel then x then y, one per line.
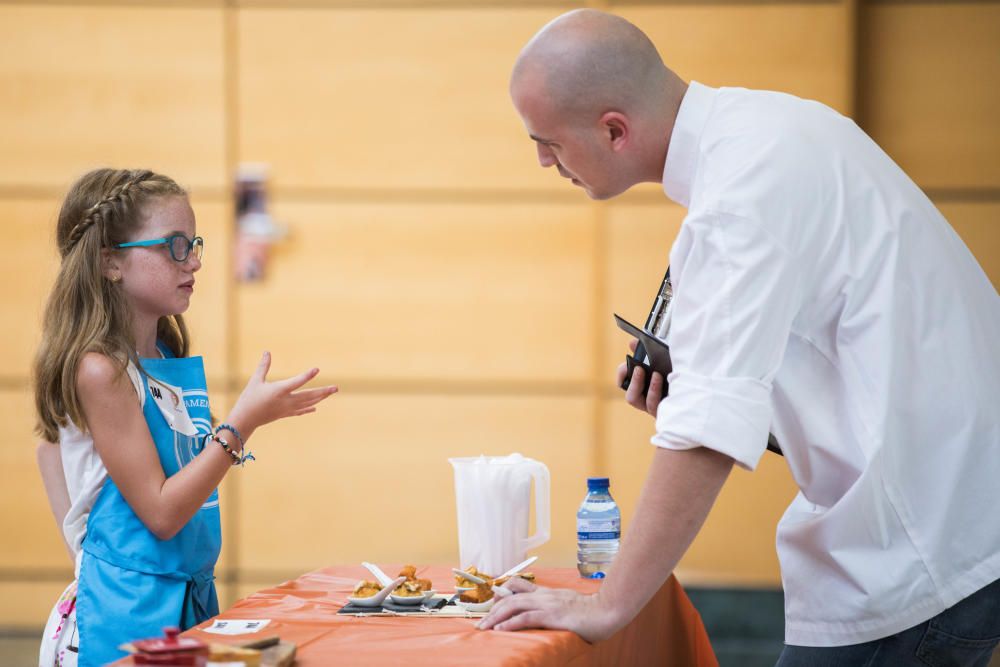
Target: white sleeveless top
pixel 85 472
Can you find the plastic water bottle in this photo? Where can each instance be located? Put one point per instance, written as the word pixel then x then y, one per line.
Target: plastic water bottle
pixel 598 529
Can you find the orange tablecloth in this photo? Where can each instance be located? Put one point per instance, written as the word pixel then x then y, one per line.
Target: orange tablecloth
pixel 668 631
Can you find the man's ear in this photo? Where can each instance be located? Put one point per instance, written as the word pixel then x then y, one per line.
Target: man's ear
pixel 617 129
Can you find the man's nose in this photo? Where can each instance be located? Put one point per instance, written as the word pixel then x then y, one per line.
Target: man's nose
pixel 545 156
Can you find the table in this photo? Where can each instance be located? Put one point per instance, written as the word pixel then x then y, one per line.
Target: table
pixel 668 632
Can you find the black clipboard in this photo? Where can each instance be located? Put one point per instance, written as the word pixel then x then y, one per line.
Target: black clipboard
pixel 652 354
pixel 657 354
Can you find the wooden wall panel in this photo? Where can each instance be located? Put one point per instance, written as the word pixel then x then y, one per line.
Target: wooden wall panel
pixel 222 402
pixel 930 92
pixel 31 538
pixel 803 49
pixel 367 477
pixel 978 223
pixel 82 87
pixel 627 432
pixel 566 5
pixel 26 277
pixel 358 109
pixel 637 253
pixel 26 604
pixel 736 544
pixel 386 98
pixel 208 316
pixel 473 293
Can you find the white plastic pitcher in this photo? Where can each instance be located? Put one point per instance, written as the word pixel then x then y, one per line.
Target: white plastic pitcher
pixel 493 494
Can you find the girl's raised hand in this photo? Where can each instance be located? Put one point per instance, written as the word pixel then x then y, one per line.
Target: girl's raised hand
pixel 263 402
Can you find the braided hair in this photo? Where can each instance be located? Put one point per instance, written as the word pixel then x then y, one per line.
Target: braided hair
pixel 86 312
pixel 110 197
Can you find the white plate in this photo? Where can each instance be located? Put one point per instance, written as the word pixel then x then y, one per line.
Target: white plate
pixel 477 606
pixel 412 599
pixel 372 601
pixel 377 599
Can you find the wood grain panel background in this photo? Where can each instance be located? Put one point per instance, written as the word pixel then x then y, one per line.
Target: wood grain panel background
pixel 460 295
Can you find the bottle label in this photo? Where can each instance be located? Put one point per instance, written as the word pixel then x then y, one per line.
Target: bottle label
pixel 598 529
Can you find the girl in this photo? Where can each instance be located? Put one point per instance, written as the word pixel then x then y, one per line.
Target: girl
pixel 115 388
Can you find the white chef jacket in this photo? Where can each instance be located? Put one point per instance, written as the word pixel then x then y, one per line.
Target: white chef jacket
pixel 818 293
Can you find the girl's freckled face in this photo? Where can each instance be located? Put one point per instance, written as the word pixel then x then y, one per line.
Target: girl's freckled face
pixel 154 283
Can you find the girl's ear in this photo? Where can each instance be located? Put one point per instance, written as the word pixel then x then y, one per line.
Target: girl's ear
pixel 109 265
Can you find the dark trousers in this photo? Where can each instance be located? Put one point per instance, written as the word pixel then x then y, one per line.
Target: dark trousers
pixel 961 636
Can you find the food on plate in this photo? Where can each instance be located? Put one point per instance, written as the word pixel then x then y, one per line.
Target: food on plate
pixel 527 576
pixel 413 586
pixel 409 589
pixel 462 581
pixel 481 593
pixel 366 589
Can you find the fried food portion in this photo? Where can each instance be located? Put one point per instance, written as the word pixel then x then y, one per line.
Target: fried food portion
pixel 527 576
pixel 462 581
pixel 481 593
pixel 366 589
pixel 412 587
pixel 409 589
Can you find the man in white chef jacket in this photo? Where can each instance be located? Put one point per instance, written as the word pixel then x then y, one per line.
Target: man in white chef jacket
pixel 818 294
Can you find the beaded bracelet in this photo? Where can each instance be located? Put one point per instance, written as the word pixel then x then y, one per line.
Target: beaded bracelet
pixel 231 429
pixel 237 460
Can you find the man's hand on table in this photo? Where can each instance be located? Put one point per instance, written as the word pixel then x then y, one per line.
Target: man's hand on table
pixel 679 491
pixel 552 608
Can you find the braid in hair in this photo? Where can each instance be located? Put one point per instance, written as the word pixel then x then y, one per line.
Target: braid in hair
pixel 85 312
pixel 99 212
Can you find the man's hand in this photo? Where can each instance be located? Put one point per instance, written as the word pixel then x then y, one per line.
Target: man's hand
pixel 633 396
pixel 679 491
pixel 553 608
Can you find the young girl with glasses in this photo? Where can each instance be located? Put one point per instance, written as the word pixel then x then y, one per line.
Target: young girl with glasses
pixel 133 481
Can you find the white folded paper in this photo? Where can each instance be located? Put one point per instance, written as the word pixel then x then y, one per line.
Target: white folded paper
pixel 236 626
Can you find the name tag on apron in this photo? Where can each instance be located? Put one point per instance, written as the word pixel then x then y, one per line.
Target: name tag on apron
pixel 170 400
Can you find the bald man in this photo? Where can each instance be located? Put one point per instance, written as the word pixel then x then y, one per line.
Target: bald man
pixel 818 294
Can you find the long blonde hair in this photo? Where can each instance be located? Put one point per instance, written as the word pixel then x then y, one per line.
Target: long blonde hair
pixel 86 312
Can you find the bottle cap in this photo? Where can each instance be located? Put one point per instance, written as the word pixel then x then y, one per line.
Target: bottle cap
pixel 597 483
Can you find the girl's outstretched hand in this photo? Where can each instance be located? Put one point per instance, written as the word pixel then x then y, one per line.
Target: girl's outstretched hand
pixel 263 402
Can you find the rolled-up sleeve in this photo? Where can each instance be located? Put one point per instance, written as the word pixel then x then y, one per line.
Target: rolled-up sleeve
pixel 736 291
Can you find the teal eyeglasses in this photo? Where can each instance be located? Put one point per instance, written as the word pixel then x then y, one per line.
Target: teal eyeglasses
pixel 180 246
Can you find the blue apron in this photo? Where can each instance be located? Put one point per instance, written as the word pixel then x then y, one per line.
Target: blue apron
pixel 131 583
